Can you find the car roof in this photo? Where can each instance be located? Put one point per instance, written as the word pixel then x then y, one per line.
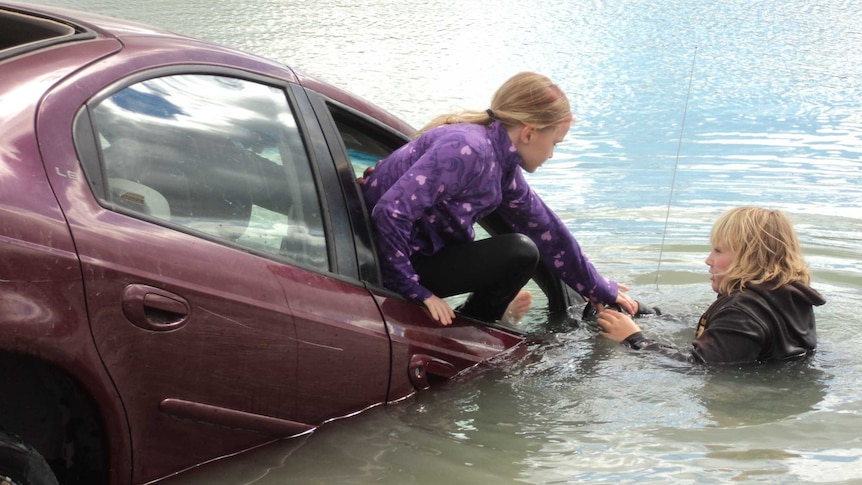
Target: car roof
pixel 28 28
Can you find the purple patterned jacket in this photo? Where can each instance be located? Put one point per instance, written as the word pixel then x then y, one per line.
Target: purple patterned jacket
pixel 430 192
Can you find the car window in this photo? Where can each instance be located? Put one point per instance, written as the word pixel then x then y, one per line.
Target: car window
pixel 366 143
pixel 215 155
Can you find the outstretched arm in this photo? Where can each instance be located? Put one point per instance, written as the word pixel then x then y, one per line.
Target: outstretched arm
pixel 621 328
pixel 525 212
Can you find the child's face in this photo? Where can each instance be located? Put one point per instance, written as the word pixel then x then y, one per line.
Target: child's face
pixel 718 261
pixel 537 146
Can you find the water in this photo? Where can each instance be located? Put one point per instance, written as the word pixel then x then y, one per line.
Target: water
pixel 774 118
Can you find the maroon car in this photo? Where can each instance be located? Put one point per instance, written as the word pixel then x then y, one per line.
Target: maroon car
pixel 187 266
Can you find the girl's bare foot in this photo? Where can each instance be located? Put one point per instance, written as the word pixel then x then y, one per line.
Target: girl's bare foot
pixel 518 308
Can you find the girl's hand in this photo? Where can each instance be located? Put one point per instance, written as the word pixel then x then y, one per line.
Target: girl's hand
pixel 365 175
pixel 626 302
pixel 616 326
pixel 440 310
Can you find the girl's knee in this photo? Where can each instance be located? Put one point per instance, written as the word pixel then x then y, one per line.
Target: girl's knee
pixel 524 249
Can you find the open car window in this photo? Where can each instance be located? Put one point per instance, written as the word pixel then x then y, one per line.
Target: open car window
pixel 365 142
pixel 218 156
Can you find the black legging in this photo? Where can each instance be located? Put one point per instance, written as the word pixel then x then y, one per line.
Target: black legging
pixel 493 269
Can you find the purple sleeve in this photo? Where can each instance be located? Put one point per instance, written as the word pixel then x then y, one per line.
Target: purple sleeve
pixel 439 172
pixel 526 213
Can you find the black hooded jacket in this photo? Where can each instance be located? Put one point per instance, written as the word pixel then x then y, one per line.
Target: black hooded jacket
pixel 757 324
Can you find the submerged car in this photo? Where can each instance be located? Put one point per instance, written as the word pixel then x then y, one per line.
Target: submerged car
pixel 188 270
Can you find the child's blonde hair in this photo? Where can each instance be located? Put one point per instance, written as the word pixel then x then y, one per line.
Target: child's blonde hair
pixel 765 249
pixel 526 98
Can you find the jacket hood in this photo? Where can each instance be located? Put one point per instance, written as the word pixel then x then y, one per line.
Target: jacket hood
pixel 792 294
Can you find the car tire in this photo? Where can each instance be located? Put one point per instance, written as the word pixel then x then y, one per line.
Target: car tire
pixel 21 464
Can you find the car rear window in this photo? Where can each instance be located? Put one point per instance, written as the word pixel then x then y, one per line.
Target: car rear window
pixel 21 32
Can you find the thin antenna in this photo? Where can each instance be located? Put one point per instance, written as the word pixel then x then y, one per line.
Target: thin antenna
pixel 675 165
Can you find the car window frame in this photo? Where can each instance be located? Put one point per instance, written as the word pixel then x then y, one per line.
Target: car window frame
pixel 87 147
pixel 363 233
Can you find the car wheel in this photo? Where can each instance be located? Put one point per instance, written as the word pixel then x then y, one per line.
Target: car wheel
pixel 21 464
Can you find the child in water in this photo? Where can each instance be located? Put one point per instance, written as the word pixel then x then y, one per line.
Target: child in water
pixel 765 308
pixel 427 195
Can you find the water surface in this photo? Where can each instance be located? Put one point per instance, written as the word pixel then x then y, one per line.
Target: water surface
pixel 771 96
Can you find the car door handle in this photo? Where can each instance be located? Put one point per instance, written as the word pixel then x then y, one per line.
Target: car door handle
pixel 154 309
pixel 421 366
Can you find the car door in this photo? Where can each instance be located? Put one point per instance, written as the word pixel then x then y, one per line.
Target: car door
pixel 422 350
pixel 204 241
pixel 343 345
